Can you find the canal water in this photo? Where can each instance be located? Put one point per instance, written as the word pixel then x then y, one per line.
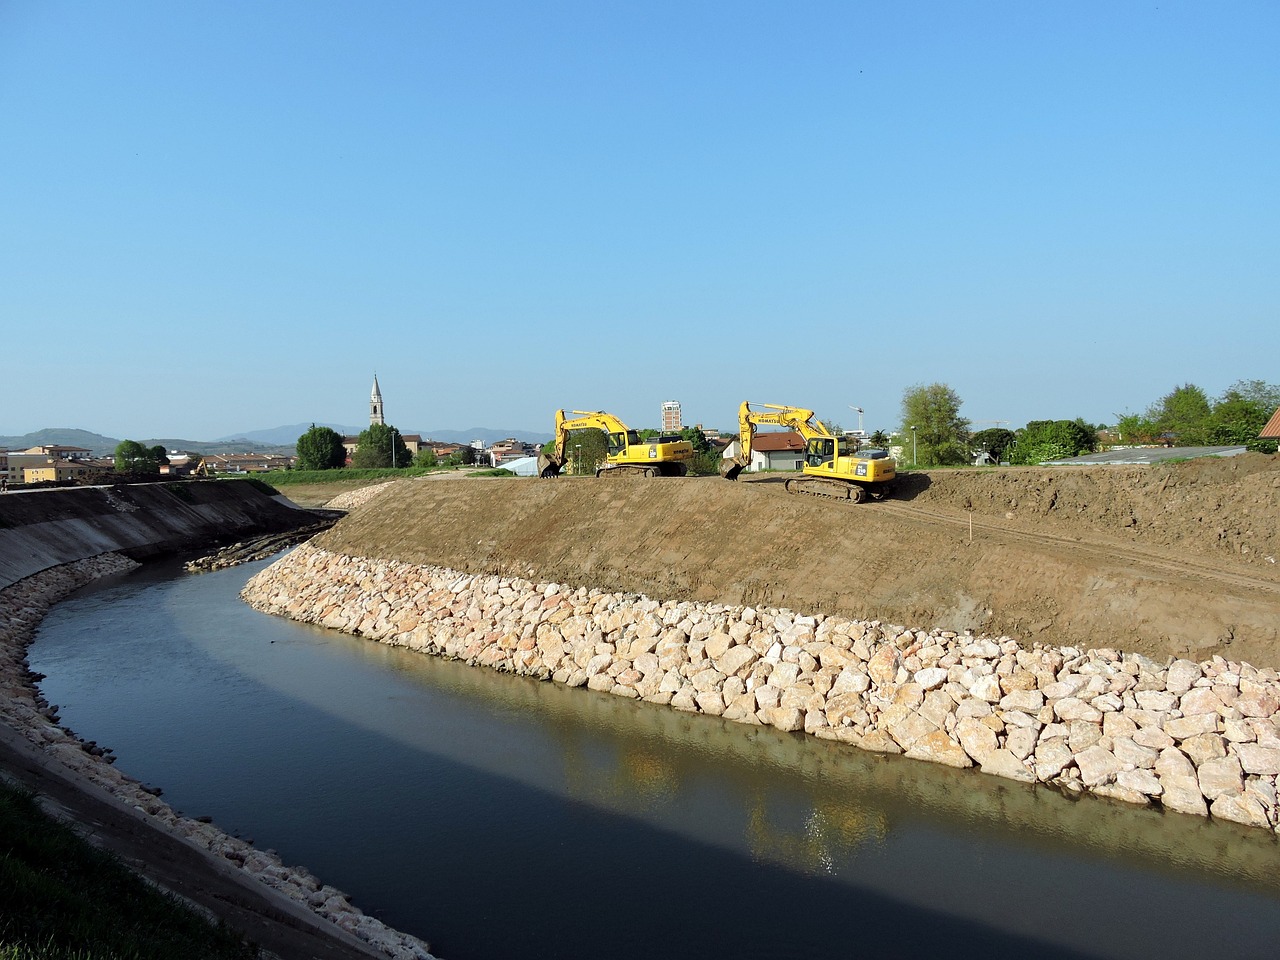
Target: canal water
pixel 498 817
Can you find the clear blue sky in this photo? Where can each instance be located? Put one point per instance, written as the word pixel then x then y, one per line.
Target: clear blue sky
pixel 218 217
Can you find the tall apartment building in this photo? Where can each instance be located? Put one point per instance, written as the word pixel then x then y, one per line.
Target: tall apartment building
pixel 671 417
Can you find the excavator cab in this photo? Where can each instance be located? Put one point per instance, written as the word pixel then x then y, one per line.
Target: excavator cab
pixel 618 442
pixel 820 450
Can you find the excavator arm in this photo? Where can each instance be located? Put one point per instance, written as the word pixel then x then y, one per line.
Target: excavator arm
pixel 619 435
pixel 798 419
pixel 832 465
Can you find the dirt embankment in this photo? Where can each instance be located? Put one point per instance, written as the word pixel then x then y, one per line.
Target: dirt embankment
pixel 1169 560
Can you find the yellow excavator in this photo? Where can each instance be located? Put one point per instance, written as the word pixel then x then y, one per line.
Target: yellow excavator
pixel 627 455
pixel 833 466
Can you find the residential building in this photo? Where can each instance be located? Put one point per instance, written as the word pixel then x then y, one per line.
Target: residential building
pixel 505 451
pixel 54 470
pixel 671 422
pixel 59 452
pixel 778 450
pixel 247 462
pixel 1272 430
pixel 442 449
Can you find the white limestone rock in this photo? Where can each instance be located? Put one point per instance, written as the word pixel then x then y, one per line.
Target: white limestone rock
pixel 1097 766
pixel 1002 763
pixel 1051 758
pixel 937 747
pixel 1222 777
pixel 1259 760
pixel 1182 674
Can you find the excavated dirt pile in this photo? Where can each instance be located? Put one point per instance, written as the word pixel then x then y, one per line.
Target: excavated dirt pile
pixel 1180 559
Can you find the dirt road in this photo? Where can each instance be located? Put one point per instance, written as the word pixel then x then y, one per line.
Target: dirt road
pixel 1169 560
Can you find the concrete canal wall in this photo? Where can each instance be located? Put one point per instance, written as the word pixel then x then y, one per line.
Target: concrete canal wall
pixel 1194 737
pixel 54 542
pixel 40 529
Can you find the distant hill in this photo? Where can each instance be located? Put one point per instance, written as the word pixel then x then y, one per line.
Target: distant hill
pixel 100 446
pixel 62 437
pixel 281 440
pixel 288 435
pixel 485 434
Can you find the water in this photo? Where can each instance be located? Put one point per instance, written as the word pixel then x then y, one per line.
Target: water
pixel 496 817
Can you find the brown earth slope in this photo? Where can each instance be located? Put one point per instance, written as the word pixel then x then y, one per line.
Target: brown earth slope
pixel 1178 559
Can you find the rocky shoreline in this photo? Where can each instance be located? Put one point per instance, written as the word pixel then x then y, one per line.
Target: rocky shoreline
pixel 1192 737
pixel 22 606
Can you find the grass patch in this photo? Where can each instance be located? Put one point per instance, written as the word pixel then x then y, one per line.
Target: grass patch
pixel 182 492
pixel 61 897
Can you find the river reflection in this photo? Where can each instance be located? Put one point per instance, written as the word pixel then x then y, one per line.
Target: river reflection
pixel 497 816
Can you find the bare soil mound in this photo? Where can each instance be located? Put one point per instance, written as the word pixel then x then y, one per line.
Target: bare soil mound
pixel 1172 560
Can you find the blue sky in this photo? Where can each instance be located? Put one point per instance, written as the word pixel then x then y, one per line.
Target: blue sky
pixel 226 216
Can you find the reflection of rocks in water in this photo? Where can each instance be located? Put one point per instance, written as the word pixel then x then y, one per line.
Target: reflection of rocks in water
pixel 1200 737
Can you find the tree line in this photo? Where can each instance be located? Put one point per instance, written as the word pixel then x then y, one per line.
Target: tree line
pixel 933 433
pixel 378 447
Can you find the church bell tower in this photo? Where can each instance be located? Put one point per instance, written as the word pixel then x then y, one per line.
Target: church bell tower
pixel 375 404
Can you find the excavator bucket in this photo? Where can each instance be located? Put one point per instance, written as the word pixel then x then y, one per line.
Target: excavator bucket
pixel 549 465
pixel 729 469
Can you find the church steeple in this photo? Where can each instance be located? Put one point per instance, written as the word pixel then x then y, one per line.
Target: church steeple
pixel 375 404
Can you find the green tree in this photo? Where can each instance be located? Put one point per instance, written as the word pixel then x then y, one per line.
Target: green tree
pixel 1183 415
pixel 320 448
pixel 706 456
pixel 879 439
pixel 995 441
pixel 375 448
pixel 133 457
pixel 1239 415
pixel 1136 428
pixel 426 458
pixel 1266 396
pixel 584 450
pixel 932 426
pixel 699 439
pixel 1042 440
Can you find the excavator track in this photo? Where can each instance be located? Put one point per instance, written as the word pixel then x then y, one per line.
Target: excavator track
pixel 624 471
pixel 829 489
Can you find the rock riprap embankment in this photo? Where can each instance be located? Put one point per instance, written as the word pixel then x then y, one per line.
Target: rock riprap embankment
pixel 22 606
pixel 1200 738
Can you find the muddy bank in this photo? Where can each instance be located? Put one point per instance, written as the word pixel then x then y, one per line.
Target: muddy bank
pixel 1057 569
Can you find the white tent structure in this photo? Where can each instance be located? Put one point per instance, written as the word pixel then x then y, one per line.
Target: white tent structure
pixel 524 467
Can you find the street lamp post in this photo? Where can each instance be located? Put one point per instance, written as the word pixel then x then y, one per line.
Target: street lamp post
pixel 577 459
pixel 914 460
